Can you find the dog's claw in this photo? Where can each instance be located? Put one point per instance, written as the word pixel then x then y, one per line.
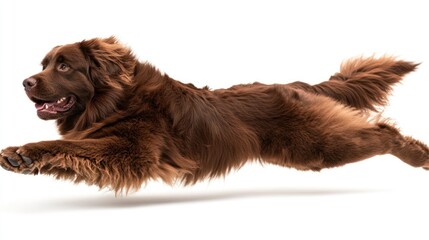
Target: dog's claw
pixel 27 161
pixel 13 162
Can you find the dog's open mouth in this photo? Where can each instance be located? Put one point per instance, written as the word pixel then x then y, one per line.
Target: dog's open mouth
pixel 59 106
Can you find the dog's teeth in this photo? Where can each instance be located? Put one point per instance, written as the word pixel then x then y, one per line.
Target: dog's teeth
pixel 46 106
pixel 61 100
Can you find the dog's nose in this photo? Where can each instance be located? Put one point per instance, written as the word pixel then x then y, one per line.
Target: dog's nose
pixel 29 83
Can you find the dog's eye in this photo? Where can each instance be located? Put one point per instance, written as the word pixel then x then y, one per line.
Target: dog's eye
pixel 62 67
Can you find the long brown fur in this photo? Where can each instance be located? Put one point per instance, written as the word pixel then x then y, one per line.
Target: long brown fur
pixel 124 122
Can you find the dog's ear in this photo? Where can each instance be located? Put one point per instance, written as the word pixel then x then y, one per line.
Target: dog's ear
pixel 109 61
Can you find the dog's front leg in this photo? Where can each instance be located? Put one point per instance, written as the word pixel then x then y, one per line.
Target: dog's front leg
pixel 46 156
pixel 101 162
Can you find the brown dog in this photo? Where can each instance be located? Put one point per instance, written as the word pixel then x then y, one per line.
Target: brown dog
pixel 123 122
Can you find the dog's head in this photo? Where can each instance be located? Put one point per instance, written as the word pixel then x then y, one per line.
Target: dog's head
pixel 84 79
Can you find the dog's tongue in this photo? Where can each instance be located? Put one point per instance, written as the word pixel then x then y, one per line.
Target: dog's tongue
pixel 46 107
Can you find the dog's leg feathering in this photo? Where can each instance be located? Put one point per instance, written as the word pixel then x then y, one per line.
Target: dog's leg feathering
pixel 102 163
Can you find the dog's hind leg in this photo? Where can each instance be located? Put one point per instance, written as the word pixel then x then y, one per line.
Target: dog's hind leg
pixel 365 143
pixel 349 146
pixel 324 134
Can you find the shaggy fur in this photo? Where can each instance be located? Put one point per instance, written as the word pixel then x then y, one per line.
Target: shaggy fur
pixel 123 122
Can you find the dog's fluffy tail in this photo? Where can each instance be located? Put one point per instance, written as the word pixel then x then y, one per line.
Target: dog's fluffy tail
pixel 362 83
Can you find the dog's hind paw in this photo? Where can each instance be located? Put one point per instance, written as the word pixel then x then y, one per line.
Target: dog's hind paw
pixel 412 152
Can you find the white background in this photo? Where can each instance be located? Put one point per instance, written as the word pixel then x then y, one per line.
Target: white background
pixel 220 43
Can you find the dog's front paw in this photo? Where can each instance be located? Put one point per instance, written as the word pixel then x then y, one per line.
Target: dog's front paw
pixel 14 159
